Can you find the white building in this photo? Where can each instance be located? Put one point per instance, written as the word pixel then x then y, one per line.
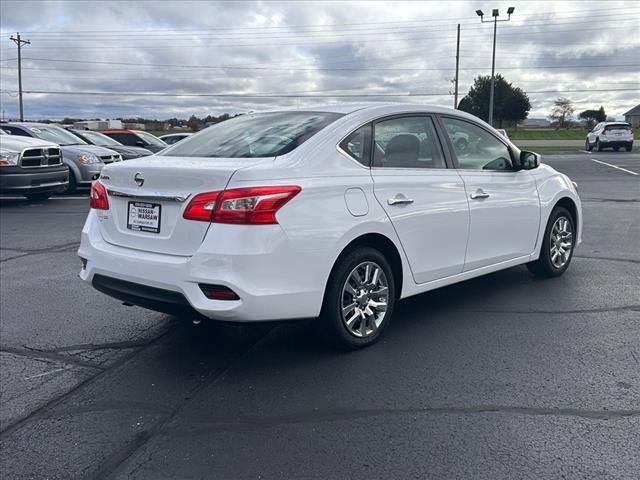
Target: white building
pixel 99 124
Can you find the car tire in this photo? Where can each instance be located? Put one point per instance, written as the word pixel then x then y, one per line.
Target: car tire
pixel 552 261
pixel 587 146
pixel 73 185
pixel 615 149
pixel 599 146
pixel 349 322
pixel 38 197
pixel 628 147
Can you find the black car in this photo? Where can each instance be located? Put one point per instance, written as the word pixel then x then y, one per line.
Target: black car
pixel 97 138
pixel 137 138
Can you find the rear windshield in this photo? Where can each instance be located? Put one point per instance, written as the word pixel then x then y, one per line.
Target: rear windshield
pixel 254 135
pixel 618 126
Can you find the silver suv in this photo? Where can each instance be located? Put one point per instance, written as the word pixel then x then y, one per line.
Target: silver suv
pixel 614 135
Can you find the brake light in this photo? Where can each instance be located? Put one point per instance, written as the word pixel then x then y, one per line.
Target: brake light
pixel 246 206
pixel 98 198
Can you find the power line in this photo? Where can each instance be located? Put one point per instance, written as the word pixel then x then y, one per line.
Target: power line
pixel 308 94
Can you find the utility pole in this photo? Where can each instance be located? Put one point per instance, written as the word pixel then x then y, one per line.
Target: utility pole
pixel 18 41
pixel 455 95
pixel 495 14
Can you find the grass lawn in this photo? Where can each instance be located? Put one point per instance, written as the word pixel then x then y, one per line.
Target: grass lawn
pixel 552 134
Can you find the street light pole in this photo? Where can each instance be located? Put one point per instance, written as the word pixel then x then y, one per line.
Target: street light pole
pixel 495 14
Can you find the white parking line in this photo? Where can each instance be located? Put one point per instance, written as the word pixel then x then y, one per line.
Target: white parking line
pixel 614 166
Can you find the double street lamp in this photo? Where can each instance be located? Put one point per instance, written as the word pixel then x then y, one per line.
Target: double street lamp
pixel 495 14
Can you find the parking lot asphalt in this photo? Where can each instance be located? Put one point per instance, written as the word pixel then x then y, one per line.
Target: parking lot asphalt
pixel 504 376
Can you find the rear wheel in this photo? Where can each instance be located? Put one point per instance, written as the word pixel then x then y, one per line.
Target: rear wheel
pixel 359 300
pixel 557 246
pixel 38 197
pixel 615 149
pixel 628 147
pixel 599 146
pixel 587 145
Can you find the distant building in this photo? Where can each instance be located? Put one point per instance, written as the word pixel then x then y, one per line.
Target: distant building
pixel 632 117
pixel 98 124
pixel 158 126
pixel 134 126
pixel 535 122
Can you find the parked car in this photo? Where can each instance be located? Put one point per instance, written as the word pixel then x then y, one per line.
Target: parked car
pixel 336 212
pixel 502 132
pixel 136 138
pixel 31 167
pixel 172 138
pixel 614 135
pixel 85 161
pixel 100 139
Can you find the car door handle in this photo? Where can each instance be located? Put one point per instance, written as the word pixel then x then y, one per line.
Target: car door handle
pixel 399 199
pixel 479 194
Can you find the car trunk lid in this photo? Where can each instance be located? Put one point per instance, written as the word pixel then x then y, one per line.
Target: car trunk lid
pixel 147 197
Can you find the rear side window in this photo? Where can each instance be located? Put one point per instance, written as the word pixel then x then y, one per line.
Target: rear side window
pixel 254 135
pixel 16 131
pixel 358 144
pixel 407 142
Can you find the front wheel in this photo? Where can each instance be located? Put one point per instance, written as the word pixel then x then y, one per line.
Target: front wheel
pixel 557 246
pixel 615 149
pixel 587 145
pixel 73 185
pixel 599 146
pixel 359 299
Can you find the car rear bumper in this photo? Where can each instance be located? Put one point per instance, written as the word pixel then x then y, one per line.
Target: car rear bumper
pixel 19 180
pixel 616 143
pixel 270 285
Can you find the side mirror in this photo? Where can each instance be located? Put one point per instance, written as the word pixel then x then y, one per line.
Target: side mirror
pixel 529 160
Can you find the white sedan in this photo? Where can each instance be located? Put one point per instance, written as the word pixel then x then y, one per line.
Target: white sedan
pixel 333 212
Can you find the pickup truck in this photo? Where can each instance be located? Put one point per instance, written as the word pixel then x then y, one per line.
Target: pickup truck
pixel 31 167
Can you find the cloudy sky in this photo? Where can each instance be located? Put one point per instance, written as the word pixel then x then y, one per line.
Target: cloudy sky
pixel 159 59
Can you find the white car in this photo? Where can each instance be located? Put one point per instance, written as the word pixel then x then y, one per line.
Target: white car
pixel 172 138
pixel 502 132
pixel 333 212
pixel 615 135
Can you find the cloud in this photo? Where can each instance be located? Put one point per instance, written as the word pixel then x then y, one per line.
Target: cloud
pixel 378 48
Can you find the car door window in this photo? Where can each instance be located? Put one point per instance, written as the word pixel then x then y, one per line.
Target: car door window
pixel 476 148
pixel 407 142
pixel 358 144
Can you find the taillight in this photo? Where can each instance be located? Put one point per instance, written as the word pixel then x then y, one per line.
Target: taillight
pixel 247 206
pixel 98 198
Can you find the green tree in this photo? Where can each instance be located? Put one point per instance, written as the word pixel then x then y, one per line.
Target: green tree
pixel 193 123
pixel 510 104
pixel 562 111
pixel 593 116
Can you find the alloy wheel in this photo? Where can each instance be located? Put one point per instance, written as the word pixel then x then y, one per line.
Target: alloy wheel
pixel 561 242
pixel 364 299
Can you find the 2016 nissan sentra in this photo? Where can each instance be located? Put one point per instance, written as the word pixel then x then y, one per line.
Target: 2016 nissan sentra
pixel 333 212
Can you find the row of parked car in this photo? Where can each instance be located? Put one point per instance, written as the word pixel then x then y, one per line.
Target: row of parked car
pixel 40 159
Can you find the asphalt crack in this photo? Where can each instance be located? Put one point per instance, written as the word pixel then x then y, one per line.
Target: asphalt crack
pixel 64 247
pixel 48 355
pixel 340 415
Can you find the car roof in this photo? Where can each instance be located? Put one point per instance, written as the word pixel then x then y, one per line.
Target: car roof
pixel 346 108
pixel 30 124
pixel 120 130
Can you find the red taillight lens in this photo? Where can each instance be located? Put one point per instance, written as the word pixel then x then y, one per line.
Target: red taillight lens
pixel 218 292
pixel 201 207
pixel 98 198
pixel 246 206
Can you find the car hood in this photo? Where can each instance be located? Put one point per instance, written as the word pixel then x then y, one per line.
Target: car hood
pixel 79 149
pixel 17 144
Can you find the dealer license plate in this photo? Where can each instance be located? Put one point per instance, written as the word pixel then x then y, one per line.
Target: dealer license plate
pixel 144 217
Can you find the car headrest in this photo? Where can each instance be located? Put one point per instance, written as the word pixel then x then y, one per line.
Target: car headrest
pixel 402 148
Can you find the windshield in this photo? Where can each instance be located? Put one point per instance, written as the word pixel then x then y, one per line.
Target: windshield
pixel 56 135
pixel 98 138
pixel 254 136
pixel 151 139
pixel 618 126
